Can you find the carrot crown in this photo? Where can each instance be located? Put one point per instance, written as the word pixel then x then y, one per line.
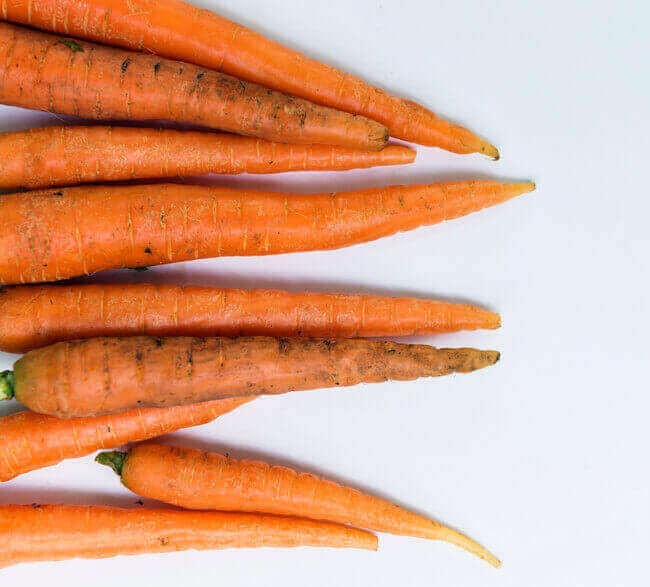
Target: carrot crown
pixel 6 385
pixel 113 459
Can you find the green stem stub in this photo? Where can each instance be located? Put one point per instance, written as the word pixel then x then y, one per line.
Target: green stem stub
pixel 6 385
pixel 113 459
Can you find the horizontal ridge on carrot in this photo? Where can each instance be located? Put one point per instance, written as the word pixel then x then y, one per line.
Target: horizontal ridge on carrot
pixel 30 441
pixel 46 72
pixel 185 32
pixel 31 533
pixel 70 155
pixel 198 480
pixel 108 375
pixel 56 234
pixel 33 316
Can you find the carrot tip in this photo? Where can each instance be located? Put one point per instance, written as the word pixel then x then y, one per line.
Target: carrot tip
pixel 512 190
pixel 466 543
pixel 7 389
pixel 490 151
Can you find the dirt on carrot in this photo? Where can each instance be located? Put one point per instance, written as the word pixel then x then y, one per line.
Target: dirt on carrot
pixel 169 27
pixel 46 72
pixel 108 375
pixel 51 235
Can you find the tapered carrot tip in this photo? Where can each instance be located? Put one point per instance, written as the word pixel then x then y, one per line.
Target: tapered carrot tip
pixel 512 190
pixel 468 360
pixel 466 543
pixel 489 150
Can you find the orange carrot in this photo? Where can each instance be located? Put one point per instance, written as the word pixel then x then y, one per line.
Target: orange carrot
pixel 107 375
pixel 181 31
pixel 45 72
pixel 33 316
pixel 51 235
pixel 68 155
pixel 30 441
pixel 30 533
pixel 198 480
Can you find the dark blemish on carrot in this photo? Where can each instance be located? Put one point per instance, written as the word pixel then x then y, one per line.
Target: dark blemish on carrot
pixel 156 68
pixel 283 345
pixel 147 250
pixel 164 541
pixel 125 64
pixel 139 502
pixel 200 75
pixel 72 45
pixel 58 194
pixel 180 71
pixel 158 342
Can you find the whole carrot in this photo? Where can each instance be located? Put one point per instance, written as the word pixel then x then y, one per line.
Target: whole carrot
pixel 182 31
pixel 33 316
pixel 31 441
pixel 30 533
pixel 69 155
pixel 107 375
pixel 46 72
pixel 199 480
pixel 56 234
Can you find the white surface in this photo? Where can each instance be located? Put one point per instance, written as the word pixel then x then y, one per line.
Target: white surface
pixel 543 458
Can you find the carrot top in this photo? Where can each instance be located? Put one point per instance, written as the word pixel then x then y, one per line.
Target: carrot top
pixel 6 385
pixel 113 459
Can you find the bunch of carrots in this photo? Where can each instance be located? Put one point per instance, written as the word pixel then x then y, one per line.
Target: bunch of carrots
pixel 106 365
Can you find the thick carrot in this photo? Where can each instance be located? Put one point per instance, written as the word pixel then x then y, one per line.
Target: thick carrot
pixel 30 533
pixel 69 155
pixel 56 234
pixel 199 480
pixel 33 316
pixel 45 72
pixel 30 441
pixel 181 31
pixel 107 375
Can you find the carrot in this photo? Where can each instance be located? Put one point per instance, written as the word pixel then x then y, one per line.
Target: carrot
pixel 33 316
pixel 56 234
pixel 107 375
pixel 181 31
pixel 199 480
pixel 68 155
pixel 30 533
pixel 31 441
pixel 46 72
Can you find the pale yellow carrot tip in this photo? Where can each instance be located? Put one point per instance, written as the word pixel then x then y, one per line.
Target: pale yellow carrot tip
pixel 490 150
pixel 466 543
pixel 493 320
pixel 512 190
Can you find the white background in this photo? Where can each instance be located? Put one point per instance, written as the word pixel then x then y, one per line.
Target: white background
pixel 543 458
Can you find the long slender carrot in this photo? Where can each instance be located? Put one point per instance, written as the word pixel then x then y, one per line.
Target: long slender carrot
pixel 199 480
pixel 33 316
pixel 47 72
pixel 107 375
pixel 69 155
pixel 30 533
pixel 30 441
pixel 182 31
pixel 56 234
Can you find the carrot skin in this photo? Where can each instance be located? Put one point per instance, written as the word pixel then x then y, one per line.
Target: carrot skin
pixel 107 375
pixel 30 533
pixel 50 235
pixel 30 441
pixel 46 72
pixel 199 480
pixel 71 155
pixel 38 315
pixel 169 27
